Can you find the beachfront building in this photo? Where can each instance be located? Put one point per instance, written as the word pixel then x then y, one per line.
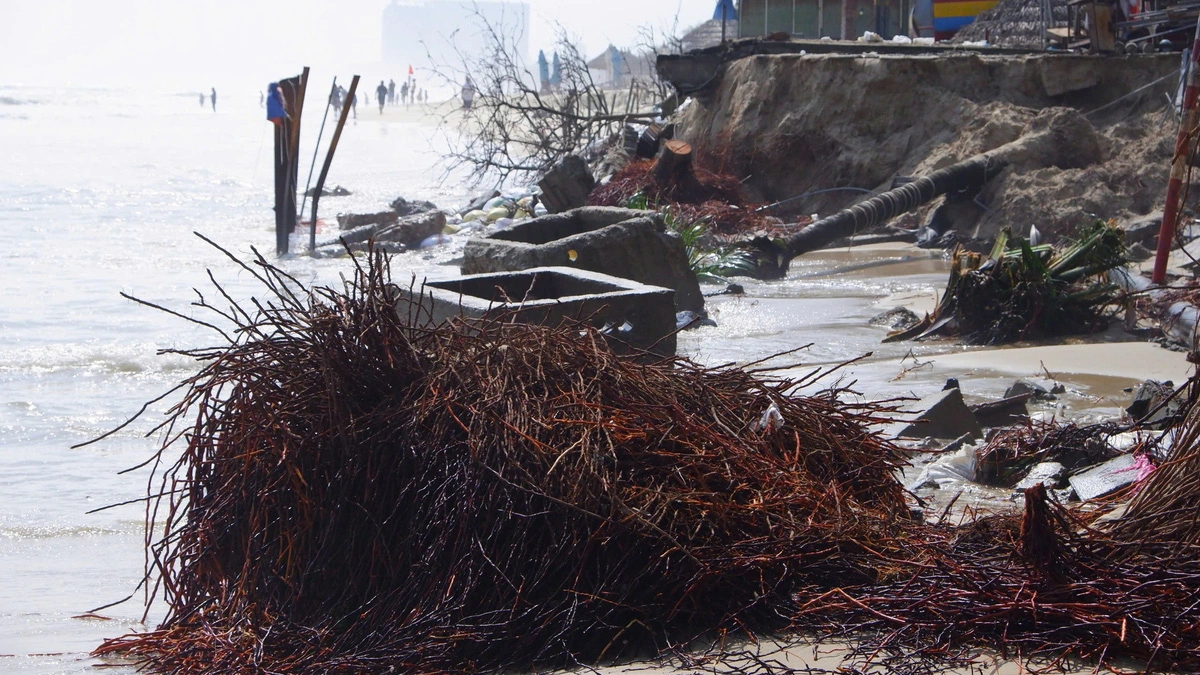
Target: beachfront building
pixel 814 19
pixel 433 33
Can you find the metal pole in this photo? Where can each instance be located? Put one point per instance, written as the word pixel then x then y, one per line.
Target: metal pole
pixel 1166 232
pixel 312 236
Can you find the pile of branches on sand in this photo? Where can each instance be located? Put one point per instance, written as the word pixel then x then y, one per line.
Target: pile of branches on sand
pixel 696 194
pixel 359 493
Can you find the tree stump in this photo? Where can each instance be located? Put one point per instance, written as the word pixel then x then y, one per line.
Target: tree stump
pixel 674 164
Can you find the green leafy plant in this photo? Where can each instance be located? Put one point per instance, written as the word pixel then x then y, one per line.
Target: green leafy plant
pixel 712 264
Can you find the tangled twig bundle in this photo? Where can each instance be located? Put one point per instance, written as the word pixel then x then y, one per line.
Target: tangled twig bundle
pixel 357 494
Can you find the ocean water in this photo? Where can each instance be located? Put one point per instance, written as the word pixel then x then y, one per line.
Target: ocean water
pixel 101 191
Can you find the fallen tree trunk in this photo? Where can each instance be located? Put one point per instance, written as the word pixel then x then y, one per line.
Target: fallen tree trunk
pixel 773 256
pixel 674 163
pixel 1057 137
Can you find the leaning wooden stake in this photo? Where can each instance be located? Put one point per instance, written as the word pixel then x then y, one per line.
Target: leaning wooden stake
pixel 1166 232
pixel 337 133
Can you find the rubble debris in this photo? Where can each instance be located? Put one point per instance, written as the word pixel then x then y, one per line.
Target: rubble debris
pixel 896 318
pixel 567 184
pixel 1105 479
pixel 625 243
pixel 1005 412
pixel 1010 454
pixel 1037 391
pixel 350 221
pixel 409 230
pixel 1050 474
pixel 336 191
pixel 404 207
pixel 1150 408
pixel 952 468
pixel 1163 518
pixel 941 415
pixel 1021 291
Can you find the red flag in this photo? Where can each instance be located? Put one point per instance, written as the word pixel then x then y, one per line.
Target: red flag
pixel 410 70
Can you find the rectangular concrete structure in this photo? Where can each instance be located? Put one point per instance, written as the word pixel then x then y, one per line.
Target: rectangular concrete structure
pixel 630 313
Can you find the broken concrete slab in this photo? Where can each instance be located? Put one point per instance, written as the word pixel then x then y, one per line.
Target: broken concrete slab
pixel 567 184
pixel 1148 396
pixel 350 221
pixel 1105 478
pixel 941 415
pixel 411 230
pixel 897 318
pixel 1050 474
pixel 1032 388
pixel 1067 75
pixel 1006 412
pixel 405 207
pixel 624 243
pixel 630 313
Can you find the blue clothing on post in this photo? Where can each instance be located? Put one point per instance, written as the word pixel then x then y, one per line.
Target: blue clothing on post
pixel 275 109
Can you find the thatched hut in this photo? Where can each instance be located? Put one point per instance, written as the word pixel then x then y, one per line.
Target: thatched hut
pixel 1015 23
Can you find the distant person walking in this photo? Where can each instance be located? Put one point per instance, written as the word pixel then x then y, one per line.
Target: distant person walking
pixel 404 93
pixel 213 98
pixel 391 92
pixel 202 100
pixel 354 104
pixel 381 94
pixel 468 94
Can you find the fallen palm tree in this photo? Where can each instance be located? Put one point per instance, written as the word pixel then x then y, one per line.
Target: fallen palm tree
pixel 1022 291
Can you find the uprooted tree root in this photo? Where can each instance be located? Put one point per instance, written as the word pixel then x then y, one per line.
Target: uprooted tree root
pixel 358 495
pixel 717 198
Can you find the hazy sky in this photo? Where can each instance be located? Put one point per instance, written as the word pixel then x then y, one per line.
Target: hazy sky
pixel 200 43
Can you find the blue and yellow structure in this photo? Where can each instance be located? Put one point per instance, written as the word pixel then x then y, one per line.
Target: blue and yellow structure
pixel 950 15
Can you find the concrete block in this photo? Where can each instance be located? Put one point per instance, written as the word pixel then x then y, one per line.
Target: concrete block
pixel 623 243
pixel 1050 474
pixel 631 313
pixel 941 415
pixel 1105 479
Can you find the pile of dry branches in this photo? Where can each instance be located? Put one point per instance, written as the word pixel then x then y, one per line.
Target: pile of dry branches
pixel 716 198
pixel 357 495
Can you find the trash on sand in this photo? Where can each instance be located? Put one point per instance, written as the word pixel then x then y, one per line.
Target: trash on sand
pixel 957 467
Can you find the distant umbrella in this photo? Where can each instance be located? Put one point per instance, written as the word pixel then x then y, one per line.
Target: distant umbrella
pixel 724 11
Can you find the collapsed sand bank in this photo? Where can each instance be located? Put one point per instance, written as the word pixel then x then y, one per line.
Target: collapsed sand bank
pixel 793 124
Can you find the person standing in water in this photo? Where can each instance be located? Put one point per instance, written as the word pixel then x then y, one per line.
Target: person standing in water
pixel 213 98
